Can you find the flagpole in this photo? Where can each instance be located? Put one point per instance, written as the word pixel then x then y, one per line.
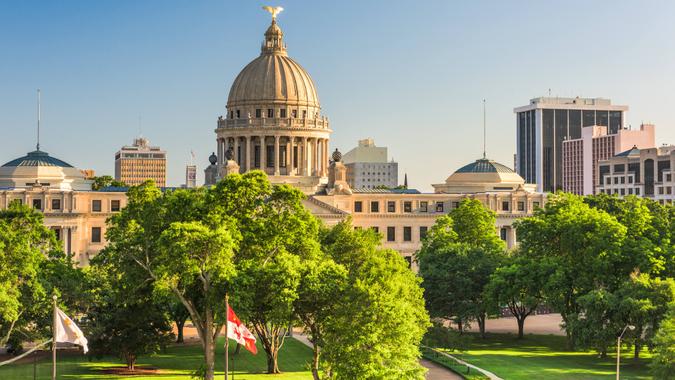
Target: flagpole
pixel 227 340
pixel 54 340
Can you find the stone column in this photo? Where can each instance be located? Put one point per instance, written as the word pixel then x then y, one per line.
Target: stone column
pixel 219 153
pixel 326 157
pixel 235 149
pixel 292 156
pixel 263 154
pixel 305 162
pixel 315 155
pixel 248 153
pixel 277 155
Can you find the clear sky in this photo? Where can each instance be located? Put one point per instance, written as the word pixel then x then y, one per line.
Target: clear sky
pixel 410 74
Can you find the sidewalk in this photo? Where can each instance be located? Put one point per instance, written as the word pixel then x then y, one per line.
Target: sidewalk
pixel 435 372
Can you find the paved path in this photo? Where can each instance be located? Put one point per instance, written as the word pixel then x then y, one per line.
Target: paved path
pixel 535 324
pixel 436 372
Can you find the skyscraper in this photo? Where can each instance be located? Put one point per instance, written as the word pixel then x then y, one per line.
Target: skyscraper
pixel 546 122
pixel 140 162
pixel 190 176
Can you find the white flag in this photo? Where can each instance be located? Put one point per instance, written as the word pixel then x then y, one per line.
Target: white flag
pixel 68 332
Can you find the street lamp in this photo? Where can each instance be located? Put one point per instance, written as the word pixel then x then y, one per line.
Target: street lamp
pixel 618 348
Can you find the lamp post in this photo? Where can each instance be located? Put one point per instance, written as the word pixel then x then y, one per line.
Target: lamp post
pixel 618 348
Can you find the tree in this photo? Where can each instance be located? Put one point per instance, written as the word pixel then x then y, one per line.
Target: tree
pixel 456 260
pixel 322 284
pixel 583 244
pixel 25 244
pixel 663 355
pixel 379 320
pixel 126 319
pixel 106 181
pixel 518 284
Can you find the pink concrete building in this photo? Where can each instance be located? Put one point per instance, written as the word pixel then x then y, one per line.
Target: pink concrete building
pixel 581 156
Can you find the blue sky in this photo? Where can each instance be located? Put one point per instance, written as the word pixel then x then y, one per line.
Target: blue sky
pixel 411 75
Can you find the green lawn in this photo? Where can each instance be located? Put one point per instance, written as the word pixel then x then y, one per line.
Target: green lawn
pixel 545 357
pixel 176 363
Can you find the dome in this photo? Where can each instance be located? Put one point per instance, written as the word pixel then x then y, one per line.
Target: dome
pixel 485 171
pixel 37 158
pixel 273 78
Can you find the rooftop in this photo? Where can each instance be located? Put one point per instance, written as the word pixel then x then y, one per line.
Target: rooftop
pixel 37 158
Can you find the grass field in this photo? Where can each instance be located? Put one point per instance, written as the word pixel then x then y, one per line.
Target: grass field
pixel 545 357
pixel 176 363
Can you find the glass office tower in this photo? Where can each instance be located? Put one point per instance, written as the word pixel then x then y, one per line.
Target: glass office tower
pixel 546 122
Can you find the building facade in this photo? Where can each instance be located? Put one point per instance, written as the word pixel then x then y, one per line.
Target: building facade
pixel 190 176
pixel 581 156
pixel 368 167
pixel 76 213
pixel 642 172
pixel 543 125
pixel 139 162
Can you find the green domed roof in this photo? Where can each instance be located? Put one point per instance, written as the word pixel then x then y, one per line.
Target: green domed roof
pixel 37 158
pixel 484 165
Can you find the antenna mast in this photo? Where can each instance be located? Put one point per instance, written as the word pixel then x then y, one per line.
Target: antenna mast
pixel 38 119
pixel 484 133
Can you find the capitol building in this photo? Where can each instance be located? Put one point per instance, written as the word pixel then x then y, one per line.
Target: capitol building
pixel 273 123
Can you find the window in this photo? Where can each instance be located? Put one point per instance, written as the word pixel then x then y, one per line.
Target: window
pixel 439 206
pixel 358 206
pixel 521 206
pixel 238 114
pixel 423 232
pixel 270 112
pixel 424 206
pixel 391 206
pixel 455 204
pixel 408 259
pixel 282 113
pixel 304 114
pixel 374 206
pixel 269 156
pixel 668 177
pixel 502 233
pixel 96 205
pixel 407 233
pixel 294 113
pixel 376 229
pixel 623 192
pixel 231 114
pixel 630 179
pixel 637 191
pixel 669 190
pixel 660 192
pixel 407 206
pixel 623 180
pixel 96 234
pixel 505 206
pixel 37 204
pixel 56 204
pixel 391 233
pixel 616 180
pixel 258 113
pixel 115 205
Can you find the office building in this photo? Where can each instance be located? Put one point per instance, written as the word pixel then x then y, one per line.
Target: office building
pixel 581 156
pixel 368 168
pixel 543 125
pixel 140 162
pixel 642 172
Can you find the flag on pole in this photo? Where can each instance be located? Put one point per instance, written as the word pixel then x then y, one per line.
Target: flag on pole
pixel 67 331
pixel 237 331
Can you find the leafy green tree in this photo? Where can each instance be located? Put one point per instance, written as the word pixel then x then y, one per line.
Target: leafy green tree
pixel 322 284
pixel 375 331
pixel 519 284
pixel 125 319
pixel 583 244
pixel 106 181
pixel 663 358
pixel 25 244
pixel 456 260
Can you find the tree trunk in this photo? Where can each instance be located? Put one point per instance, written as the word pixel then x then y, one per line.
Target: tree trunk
pixel 209 345
pixel 521 327
pixel 237 349
pixel 481 325
pixel 315 362
pixel 603 353
pixel 272 363
pixel 636 353
pixel 131 361
pixel 179 327
pixel 459 326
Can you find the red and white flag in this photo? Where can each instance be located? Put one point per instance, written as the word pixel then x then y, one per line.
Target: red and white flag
pixel 237 331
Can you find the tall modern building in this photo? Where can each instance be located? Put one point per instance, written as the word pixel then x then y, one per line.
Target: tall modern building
pixel 140 162
pixel 368 168
pixel 190 176
pixel 546 122
pixel 581 156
